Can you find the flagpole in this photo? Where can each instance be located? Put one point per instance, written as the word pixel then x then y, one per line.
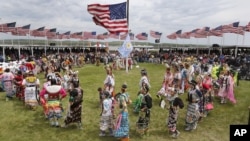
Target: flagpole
pixel 127 33
pixel 128 12
pixel 18 45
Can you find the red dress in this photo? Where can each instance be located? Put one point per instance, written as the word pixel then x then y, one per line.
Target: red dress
pixel 19 88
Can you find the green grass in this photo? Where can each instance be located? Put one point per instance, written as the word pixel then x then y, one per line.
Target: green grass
pixel 20 124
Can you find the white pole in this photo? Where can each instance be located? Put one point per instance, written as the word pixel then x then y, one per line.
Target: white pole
pixel 19 52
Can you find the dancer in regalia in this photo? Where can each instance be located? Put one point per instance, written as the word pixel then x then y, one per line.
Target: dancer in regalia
pixel 54 107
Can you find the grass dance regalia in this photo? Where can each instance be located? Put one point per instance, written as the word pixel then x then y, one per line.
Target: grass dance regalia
pixel 31 91
pixel 142 124
pixel 55 94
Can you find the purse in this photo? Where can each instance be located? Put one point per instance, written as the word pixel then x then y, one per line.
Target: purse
pixel 209 106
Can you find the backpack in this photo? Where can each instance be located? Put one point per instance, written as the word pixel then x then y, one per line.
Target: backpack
pixel 149 102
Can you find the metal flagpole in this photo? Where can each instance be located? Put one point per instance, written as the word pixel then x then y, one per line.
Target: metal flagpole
pixel 45 43
pixel 127 33
pixel 3 45
pixel 19 52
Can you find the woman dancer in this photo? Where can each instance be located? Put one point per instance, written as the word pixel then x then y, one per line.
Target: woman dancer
pixel 122 123
pixel 175 103
pixel 74 114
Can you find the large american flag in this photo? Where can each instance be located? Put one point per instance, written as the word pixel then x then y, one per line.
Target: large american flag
pixel 89 35
pixel 7 27
pixel 174 35
pixel 142 36
pixel 155 34
pixel 112 17
pixel 40 32
pixel 21 31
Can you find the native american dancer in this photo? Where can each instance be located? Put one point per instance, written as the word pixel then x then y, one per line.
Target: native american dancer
pixel 31 84
pixel 106 121
pixel 53 102
pixel 226 91
pixel 121 130
pixel 66 80
pixel 206 89
pixel 167 82
pixel 193 113
pixel 175 103
pixel 144 79
pixel 74 113
pixel 43 102
pixel 19 87
pixel 7 79
pixel 142 124
pixel 109 82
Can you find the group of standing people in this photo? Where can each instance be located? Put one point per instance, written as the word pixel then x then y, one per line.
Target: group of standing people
pixel 203 81
pixel 25 85
pixel 201 85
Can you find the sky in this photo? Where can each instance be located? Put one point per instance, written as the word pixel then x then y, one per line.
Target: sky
pixel 166 16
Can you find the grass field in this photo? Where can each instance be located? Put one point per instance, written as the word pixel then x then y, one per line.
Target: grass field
pixel 20 124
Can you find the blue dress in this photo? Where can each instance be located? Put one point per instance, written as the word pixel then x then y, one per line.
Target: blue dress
pixel 123 130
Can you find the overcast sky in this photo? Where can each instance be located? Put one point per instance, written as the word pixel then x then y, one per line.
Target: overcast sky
pixel 166 16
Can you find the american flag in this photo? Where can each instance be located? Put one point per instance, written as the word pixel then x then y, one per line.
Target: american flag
pixel 51 33
pixel 76 35
pixel 21 31
pixel 131 35
pixel 174 35
pixel 193 32
pixel 230 28
pixel 65 35
pixel 123 36
pixel 155 34
pixel 56 36
pixel 185 35
pixel 216 31
pixel 142 36
pixel 89 35
pixel 7 27
pixel 114 35
pixel 102 36
pixel 112 17
pixel 40 32
pixel 247 27
pixel 203 31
